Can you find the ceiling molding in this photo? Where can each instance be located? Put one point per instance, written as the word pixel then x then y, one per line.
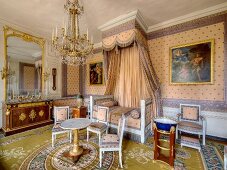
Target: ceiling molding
pixel 189 17
pixel 21 28
pixel 134 15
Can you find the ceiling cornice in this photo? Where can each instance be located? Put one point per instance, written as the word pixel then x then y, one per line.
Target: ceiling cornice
pixel 134 15
pixel 189 17
pixel 139 18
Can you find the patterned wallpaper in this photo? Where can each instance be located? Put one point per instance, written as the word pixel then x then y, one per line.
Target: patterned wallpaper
pixel 93 89
pixel 72 80
pixel 29 78
pixel 159 52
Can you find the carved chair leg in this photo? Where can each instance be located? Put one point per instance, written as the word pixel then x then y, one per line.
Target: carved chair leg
pixel 176 133
pixel 100 158
pixel 204 139
pixel 53 140
pixel 99 138
pixel 70 136
pixel 120 158
pixel 87 135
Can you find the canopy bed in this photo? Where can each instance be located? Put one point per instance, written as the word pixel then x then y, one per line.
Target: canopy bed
pixel 132 82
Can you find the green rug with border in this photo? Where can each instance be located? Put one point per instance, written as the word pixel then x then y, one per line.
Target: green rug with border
pixel 32 150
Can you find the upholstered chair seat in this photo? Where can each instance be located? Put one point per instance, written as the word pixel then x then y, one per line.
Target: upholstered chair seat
pixel 109 141
pixel 190 126
pixel 97 126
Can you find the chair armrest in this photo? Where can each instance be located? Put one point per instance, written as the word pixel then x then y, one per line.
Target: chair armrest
pixel 179 115
pixel 202 118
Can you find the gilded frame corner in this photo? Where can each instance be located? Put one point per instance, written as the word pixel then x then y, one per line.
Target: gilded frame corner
pixel 212 41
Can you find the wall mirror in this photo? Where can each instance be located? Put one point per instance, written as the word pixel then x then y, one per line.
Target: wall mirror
pixel 24 56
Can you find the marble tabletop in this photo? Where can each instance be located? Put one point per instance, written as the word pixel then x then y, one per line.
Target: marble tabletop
pixel 75 123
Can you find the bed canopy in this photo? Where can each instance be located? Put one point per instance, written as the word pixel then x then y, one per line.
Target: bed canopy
pixel 128 70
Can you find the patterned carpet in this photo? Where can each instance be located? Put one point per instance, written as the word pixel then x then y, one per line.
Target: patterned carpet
pixel 32 150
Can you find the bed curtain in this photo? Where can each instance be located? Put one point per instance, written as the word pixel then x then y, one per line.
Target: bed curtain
pixel 128 70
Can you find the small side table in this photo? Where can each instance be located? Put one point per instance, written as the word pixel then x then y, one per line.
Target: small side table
pixel 75 125
pixel 190 142
pixel 157 145
pixel 79 112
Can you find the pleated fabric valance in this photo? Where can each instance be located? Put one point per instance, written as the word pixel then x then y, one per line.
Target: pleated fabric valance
pixel 124 39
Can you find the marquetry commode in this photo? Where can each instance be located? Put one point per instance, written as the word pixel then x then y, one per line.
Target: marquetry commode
pixel 21 116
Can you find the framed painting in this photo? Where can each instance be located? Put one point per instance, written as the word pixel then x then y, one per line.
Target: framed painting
pixel 96 73
pixel 192 63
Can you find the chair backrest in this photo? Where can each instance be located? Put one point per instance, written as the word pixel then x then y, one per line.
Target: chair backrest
pixel 61 114
pixel 190 112
pixel 103 114
pixel 120 129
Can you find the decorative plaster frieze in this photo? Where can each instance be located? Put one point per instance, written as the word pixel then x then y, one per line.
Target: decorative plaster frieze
pixel 205 21
pixel 118 29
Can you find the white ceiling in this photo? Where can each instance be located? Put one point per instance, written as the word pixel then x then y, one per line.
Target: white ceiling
pixel 41 16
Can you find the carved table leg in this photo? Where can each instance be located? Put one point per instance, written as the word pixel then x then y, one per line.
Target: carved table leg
pixel 77 150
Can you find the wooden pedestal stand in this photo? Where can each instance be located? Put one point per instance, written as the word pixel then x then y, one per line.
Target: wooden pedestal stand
pixel 157 145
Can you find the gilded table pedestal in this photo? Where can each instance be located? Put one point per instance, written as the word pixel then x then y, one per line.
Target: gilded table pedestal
pixel 74 125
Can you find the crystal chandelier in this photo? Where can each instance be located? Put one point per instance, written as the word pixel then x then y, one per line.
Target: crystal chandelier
pixel 71 45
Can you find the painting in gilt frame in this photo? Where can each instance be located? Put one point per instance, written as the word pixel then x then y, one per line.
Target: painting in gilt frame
pixel 192 63
pixel 96 73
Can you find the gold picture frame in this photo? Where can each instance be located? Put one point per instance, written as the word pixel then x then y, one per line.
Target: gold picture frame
pixel 96 76
pixel 192 63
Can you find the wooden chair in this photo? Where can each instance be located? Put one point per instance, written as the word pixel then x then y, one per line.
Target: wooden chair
pixel 113 142
pixel 101 124
pixel 190 121
pixel 60 114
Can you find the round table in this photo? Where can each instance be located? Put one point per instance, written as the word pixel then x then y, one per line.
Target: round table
pixel 76 124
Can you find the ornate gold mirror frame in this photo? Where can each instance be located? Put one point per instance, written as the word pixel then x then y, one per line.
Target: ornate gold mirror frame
pixel 11 32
